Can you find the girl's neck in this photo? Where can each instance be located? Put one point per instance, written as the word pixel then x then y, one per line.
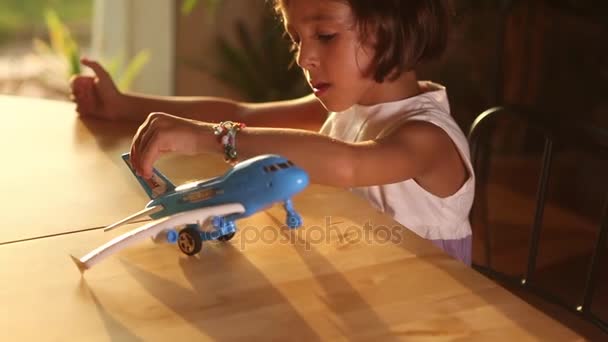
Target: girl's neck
pixel 404 87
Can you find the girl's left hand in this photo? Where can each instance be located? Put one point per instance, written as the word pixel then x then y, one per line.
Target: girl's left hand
pixel 162 133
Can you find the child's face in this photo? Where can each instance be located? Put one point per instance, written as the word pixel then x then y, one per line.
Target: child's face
pixel 330 53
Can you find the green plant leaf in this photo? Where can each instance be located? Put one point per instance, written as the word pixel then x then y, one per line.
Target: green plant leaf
pixel 56 32
pixel 259 69
pixel 255 60
pixel 133 69
pixel 236 64
pixel 73 56
pixel 188 6
pixel 113 65
pixel 211 6
pixel 62 42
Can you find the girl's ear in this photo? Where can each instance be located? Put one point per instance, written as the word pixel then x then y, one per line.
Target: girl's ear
pixel 367 46
pixel 368 33
pixel 366 52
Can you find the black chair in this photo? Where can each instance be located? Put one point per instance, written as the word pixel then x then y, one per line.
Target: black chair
pixel 556 134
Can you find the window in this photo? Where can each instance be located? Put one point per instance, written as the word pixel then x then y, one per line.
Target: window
pixel 271 168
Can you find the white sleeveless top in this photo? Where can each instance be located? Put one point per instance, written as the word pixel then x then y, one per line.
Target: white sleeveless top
pixel 429 216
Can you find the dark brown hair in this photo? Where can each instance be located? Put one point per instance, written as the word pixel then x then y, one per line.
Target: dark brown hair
pixel 407 32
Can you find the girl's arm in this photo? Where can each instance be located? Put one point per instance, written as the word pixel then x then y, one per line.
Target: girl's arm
pixel 415 150
pixel 306 112
pixel 408 153
pixel 99 97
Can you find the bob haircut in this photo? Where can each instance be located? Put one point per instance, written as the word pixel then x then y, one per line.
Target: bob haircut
pixel 406 32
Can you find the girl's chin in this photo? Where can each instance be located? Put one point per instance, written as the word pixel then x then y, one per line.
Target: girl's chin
pixel 334 106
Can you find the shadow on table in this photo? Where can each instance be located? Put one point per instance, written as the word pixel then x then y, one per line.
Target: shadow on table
pixel 108 137
pixel 340 297
pixel 454 268
pixel 115 330
pixel 222 300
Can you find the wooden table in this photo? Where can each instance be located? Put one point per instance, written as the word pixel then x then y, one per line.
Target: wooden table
pixel 61 173
pixel 349 273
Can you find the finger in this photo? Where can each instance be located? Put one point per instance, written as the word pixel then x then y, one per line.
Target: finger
pixel 149 153
pixel 99 70
pixel 78 84
pixel 146 139
pixel 131 153
pixel 134 147
pixel 73 81
pixel 153 120
pixel 81 86
pixel 83 105
pixel 82 95
pixel 135 144
pixel 82 111
pixel 144 132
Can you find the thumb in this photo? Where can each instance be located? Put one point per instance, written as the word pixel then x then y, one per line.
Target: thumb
pixel 102 74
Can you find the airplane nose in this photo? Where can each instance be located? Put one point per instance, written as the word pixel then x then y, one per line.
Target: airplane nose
pixel 300 178
pixel 293 181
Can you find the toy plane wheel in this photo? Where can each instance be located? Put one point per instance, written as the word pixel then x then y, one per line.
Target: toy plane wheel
pixel 189 241
pixel 294 220
pixel 226 237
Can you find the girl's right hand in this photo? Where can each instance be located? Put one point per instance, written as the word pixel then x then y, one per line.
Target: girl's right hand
pixel 97 96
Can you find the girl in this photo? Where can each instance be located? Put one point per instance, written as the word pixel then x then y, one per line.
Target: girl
pixel 388 137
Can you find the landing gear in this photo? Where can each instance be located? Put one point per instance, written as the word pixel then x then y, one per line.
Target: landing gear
pixel 226 237
pixel 293 220
pixel 225 227
pixel 189 240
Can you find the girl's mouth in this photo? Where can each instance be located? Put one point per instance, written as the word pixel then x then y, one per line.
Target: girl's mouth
pixel 320 88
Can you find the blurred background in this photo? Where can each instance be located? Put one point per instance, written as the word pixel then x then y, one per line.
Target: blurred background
pixel 28 65
pixel 503 51
pixel 550 56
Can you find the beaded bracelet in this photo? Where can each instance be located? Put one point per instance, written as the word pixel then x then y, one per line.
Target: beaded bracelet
pixel 226 135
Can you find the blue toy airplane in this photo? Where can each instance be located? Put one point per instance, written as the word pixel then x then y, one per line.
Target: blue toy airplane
pixel 250 186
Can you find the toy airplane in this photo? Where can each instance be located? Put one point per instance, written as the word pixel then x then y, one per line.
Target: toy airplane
pixel 250 186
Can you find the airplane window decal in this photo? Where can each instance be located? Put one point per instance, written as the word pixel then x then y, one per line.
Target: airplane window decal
pixel 283 165
pixel 200 195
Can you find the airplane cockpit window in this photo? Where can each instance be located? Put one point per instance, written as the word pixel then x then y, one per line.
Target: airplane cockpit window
pixel 271 168
pixel 277 167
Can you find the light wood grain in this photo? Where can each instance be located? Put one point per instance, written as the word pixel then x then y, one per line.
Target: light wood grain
pixel 292 284
pixel 350 272
pixel 61 173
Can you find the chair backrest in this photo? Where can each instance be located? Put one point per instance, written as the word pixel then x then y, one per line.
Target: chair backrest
pixel 566 147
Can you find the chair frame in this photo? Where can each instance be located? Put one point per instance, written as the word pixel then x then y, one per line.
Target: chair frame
pixel 553 130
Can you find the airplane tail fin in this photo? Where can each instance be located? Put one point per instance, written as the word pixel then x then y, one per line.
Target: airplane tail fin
pixel 155 186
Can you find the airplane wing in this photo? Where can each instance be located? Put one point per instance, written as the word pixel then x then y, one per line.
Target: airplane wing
pixel 152 229
pixel 137 215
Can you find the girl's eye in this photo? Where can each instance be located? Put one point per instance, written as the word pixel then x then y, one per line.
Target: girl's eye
pixel 325 37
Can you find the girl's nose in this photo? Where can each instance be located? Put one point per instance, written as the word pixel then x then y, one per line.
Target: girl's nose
pixel 306 57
